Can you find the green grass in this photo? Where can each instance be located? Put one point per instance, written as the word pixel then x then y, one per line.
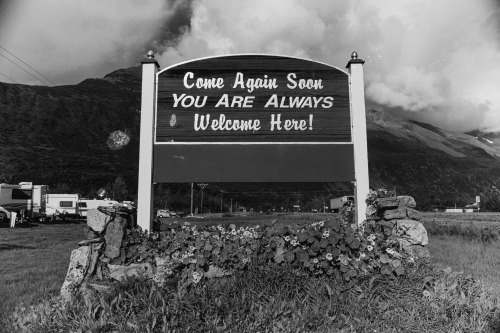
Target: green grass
pixel 277 299
pixel 480 259
pixel 34 262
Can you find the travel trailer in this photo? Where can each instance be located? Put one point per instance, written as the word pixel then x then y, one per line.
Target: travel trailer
pixel 85 204
pixel 337 203
pixel 63 204
pixel 26 199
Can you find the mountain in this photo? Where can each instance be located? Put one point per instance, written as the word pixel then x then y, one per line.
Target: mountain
pixel 435 166
pixel 60 136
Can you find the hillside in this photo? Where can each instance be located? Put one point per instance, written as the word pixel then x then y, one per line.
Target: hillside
pixel 59 135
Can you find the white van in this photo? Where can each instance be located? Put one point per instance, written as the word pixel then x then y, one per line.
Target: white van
pixel 85 204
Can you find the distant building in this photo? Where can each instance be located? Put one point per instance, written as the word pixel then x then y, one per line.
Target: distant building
pixel 471 208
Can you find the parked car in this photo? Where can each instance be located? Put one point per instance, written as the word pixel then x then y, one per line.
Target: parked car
pixel 168 213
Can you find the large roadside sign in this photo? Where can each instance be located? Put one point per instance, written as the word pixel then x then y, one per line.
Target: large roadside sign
pixel 253 118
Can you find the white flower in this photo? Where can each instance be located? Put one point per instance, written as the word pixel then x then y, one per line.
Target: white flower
pixel 369 247
pixel 362 255
pixel 315 260
pixel 196 277
pixel 321 223
pixel 329 256
pixel 287 238
pixel 390 251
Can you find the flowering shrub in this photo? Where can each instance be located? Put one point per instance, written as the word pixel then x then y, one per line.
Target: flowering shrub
pixel 321 248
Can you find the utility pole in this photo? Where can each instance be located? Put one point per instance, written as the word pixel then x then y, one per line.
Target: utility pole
pixel 221 197
pixel 202 186
pixel 231 205
pixel 191 199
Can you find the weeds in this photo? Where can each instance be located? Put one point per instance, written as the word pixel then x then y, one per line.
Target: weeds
pixel 469 231
pixel 279 298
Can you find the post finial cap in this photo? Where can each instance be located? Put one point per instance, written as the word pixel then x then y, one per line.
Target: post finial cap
pixel 354 60
pixel 151 54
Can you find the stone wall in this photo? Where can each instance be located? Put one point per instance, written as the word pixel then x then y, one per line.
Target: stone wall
pixel 111 237
pixel 398 216
pixel 100 257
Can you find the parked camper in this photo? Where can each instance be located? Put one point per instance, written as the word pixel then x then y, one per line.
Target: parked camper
pixel 337 203
pixel 86 204
pixel 63 204
pixel 26 199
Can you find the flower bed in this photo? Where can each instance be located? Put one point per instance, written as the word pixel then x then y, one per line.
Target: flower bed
pixel 190 253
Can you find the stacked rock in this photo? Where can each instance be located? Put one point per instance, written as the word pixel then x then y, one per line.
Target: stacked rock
pixel 100 256
pixel 399 215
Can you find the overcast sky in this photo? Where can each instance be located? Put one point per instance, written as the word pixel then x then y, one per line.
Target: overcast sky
pixel 437 60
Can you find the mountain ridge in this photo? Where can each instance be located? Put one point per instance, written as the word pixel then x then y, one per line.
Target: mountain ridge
pixel 59 135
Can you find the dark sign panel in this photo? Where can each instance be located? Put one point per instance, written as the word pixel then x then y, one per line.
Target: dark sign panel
pixel 253 98
pixel 253 118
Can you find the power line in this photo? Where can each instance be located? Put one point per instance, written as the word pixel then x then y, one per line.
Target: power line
pixel 46 78
pixel 9 78
pixel 24 70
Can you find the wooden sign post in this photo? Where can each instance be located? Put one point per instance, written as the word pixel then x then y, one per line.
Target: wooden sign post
pixel 252 118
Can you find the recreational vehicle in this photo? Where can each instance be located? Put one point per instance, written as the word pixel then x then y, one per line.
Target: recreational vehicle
pixel 26 199
pixel 85 204
pixel 63 204
pixel 337 203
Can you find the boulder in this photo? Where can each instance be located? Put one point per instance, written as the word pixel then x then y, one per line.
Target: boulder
pixel 398 213
pixel 371 212
pixel 95 251
pixel 90 241
pixel 78 267
pixel 89 233
pixel 395 202
pixel 114 236
pixel 122 272
pixel 97 221
pixel 413 214
pixel 406 201
pixel 416 251
pixel 412 231
pixel 386 203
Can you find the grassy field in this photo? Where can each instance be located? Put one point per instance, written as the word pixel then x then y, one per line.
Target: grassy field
pixel 33 262
pixel 34 259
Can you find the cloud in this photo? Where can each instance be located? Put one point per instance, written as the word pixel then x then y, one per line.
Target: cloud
pixel 69 41
pixel 439 59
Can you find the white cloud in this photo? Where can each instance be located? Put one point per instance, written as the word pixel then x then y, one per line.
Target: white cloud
pixel 439 58
pixel 69 41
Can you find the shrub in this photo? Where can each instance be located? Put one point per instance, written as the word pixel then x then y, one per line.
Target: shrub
pixel 321 248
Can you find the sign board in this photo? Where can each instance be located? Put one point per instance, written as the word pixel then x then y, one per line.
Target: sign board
pixel 253 118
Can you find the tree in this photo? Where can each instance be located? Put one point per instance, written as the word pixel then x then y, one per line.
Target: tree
pixel 119 191
pixel 492 200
